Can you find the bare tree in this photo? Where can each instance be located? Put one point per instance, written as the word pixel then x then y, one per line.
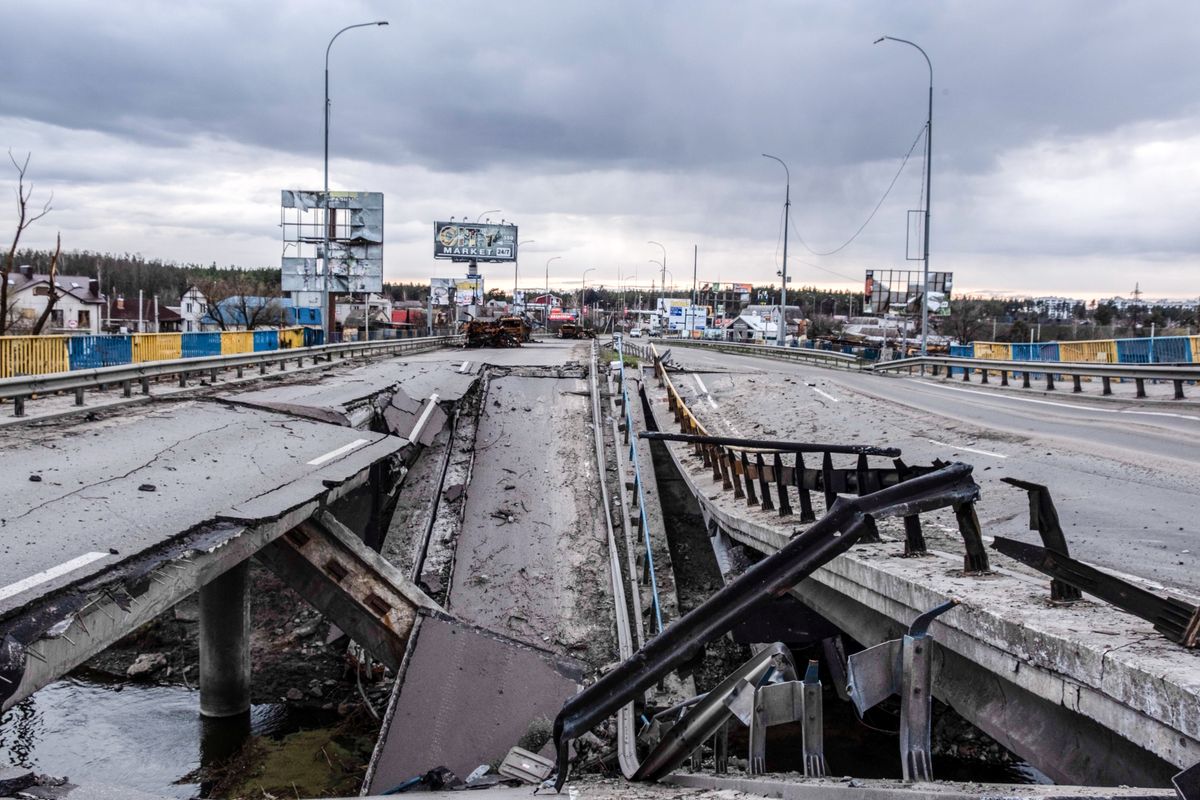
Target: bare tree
pixel 25 218
pixel 54 294
pixel 238 299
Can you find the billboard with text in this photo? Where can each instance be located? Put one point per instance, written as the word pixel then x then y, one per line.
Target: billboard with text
pixel 474 241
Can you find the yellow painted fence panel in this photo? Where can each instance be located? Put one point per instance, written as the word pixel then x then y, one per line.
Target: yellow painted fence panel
pixel 156 347
pixel 237 342
pixel 33 355
pixel 291 337
pixel 1098 351
pixel 1001 351
pixel 1196 349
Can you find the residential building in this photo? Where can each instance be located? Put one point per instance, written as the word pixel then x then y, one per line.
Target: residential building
pixel 124 316
pixel 193 306
pixel 78 309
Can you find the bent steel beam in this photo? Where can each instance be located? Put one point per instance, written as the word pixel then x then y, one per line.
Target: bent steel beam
pixel 712 710
pixel 834 534
pixel 772 444
pixel 1175 619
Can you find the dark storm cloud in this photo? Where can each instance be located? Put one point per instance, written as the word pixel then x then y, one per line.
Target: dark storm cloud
pixel 676 85
pixel 618 118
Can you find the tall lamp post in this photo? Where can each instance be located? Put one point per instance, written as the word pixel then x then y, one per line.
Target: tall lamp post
pixel 928 191
pixel 546 318
pixel 325 253
pixel 583 292
pixel 781 326
pixel 663 290
pixel 517 268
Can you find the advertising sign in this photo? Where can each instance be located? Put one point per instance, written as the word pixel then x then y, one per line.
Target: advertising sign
pixel 474 241
pixel 354 229
pixel 468 291
pixel 888 291
pixel 440 290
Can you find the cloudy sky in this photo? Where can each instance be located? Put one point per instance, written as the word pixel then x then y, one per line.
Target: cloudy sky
pixel 1066 135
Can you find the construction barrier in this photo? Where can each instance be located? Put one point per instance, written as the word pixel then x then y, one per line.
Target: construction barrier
pixel 266 340
pixel 90 352
pixel 233 342
pixel 314 337
pixel 33 355
pixel 156 347
pixel 197 345
pixel 1157 350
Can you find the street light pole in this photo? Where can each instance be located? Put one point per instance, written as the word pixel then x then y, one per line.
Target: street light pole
pixel 517 268
pixel 328 269
pixel 662 292
pixel 928 192
pixel 546 318
pixel 781 326
pixel 583 292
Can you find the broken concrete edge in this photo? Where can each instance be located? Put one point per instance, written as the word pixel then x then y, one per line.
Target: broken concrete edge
pixel 389 714
pixel 790 787
pixel 572 668
pixel 1147 693
pixel 135 586
pixel 454 519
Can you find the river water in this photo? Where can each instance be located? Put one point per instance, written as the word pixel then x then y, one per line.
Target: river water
pixel 127 735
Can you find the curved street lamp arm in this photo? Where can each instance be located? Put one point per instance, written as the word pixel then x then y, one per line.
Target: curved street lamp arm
pixel 786 171
pixel 349 27
pixel 928 63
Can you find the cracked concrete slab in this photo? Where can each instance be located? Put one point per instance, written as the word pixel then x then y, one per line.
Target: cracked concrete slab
pixel 103 491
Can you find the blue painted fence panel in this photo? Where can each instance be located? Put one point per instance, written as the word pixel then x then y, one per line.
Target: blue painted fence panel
pixel 313 337
pixel 962 351
pixel 198 345
pixel 1159 350
pixel 266 340
pixel 90 352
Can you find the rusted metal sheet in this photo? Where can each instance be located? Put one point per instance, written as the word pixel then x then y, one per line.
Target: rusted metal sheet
pixel 364 595
pixel 465 698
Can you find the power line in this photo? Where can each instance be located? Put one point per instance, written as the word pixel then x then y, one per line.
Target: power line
pixel 871 216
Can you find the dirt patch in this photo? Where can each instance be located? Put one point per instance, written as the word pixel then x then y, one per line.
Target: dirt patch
pixel 327 762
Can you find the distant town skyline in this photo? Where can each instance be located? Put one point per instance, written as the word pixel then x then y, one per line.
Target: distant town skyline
pixel 1066 136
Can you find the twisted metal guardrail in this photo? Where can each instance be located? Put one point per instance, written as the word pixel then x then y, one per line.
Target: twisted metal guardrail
pixel 22 389
pixel 637 476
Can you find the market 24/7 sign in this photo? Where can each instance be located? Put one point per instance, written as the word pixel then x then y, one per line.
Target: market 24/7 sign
pixel 474 241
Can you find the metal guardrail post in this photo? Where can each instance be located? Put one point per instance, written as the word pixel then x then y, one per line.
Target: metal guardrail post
pixel 1043 518
pixel 812 725
pixel 902 666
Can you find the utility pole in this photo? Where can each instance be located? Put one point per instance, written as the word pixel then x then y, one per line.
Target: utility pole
pixel 781 328
pixel 928 193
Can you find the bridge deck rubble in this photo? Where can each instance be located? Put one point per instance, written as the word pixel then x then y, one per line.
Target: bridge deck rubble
pixel 1085 692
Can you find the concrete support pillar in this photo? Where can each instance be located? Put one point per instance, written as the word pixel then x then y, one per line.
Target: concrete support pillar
pixel 225 644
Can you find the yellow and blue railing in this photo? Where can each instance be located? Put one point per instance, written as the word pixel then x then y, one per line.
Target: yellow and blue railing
pixel 42 355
